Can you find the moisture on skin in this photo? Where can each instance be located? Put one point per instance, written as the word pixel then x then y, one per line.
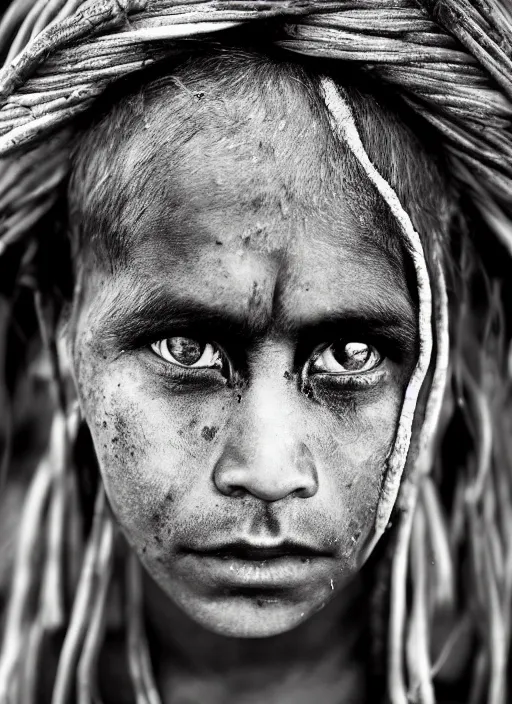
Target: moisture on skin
pixel 264 450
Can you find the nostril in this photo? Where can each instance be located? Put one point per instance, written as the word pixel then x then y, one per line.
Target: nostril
pixel 228 474
pixel 236 492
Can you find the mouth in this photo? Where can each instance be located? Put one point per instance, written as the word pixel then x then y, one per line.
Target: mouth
pixel 261 553
pixel 249 565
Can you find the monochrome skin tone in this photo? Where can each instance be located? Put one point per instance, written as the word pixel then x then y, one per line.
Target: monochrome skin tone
pixel 241 367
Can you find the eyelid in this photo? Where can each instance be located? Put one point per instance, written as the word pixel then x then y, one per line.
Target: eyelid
pixel 372 350
pixel 175 362
pixel 345 380
pixel 350 382
pixel 389 343
pixel 183 379
pixel 190 373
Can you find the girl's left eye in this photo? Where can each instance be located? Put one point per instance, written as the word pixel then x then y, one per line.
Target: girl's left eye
pixel 346 358
pixel 189 353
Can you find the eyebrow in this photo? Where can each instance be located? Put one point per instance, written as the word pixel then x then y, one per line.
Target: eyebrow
pixel 134 320
pixel 379 323
pixel 143 315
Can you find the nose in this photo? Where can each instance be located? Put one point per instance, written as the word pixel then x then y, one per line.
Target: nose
pixel 266 457
pixel 270 475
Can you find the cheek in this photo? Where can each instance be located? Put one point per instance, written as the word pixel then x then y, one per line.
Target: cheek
pixel 157 453
pixel 351 444
pixel 155 456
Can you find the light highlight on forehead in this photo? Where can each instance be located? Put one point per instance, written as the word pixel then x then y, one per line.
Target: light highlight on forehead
pixel 259 122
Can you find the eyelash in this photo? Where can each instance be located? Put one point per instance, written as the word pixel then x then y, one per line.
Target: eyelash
pixel 183 379
pixel 361 380
pixel 357 381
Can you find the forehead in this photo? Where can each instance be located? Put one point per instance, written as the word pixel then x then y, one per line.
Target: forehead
pixel 251 210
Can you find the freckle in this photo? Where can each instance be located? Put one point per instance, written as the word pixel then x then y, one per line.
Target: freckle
pixel 115 439
pixel 259 602
pixel 349 485
pixel 169 496
pixel 158 539
pixel 104 423
pixel 132 453
pixel 144 549
pixel 208 433
pixel 192 423
pixel 239 398
pixel 287 375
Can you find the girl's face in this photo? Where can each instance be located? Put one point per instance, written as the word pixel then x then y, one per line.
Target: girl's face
pixel 242 374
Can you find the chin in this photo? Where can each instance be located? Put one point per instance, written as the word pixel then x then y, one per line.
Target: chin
pixel 249 615
pixel 247 599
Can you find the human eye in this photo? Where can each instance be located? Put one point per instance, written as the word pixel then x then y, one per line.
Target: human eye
pixel 346 358
pixel 189 353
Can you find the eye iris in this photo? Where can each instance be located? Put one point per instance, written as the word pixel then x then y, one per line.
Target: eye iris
pixel 352 356
pixel 185 350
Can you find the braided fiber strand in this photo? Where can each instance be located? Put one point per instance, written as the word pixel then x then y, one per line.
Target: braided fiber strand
pixel 344 126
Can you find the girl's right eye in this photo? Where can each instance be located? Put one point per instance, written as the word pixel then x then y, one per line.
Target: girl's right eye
pixel 189 353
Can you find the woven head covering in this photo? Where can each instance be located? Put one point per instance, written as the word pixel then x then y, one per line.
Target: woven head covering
pixel 451 61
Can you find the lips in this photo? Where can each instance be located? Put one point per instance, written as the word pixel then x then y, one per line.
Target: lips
pixel 259 553
pixel 285 565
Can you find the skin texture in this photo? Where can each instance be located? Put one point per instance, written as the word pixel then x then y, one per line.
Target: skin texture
pixel 268 449
pixel 236 220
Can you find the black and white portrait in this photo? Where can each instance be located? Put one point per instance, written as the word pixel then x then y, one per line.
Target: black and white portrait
pixel 256 371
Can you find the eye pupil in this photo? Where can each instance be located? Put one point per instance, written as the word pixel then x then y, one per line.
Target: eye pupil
pixel 185 350
pixel 352 356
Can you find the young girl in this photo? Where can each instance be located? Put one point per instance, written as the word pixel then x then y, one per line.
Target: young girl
pixel 277 463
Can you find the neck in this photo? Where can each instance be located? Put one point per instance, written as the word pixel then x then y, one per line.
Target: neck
pixel 323 657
